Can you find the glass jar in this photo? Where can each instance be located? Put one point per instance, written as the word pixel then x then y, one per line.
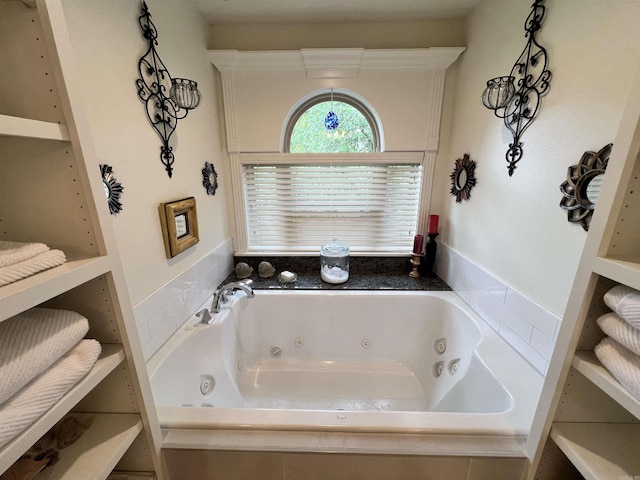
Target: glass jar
pixel 334 262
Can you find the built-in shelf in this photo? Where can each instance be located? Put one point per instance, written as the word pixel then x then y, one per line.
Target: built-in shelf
pixel 31 291
pixel 626 271
pixel 131 476
pixel 588 365
pixel 110 357
pixel 25 127
pixel 600 451
pixel 98 450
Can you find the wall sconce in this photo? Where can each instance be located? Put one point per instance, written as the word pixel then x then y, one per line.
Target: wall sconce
pixel 516 97
pixel 163 110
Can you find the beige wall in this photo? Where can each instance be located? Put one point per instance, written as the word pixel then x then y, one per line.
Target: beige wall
pixel 108 44
pixel 513 227
pixel 437 33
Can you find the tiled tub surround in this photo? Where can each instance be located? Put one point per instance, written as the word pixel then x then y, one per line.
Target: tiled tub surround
pixel 160 314
pixel 525 325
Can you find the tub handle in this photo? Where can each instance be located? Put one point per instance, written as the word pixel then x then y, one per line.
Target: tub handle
pixel 206 316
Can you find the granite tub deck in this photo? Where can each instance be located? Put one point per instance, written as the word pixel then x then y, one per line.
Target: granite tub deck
pixel 365 273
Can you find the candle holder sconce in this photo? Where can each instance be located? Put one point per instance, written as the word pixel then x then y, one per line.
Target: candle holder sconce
pixel 167 99
pixel 516 97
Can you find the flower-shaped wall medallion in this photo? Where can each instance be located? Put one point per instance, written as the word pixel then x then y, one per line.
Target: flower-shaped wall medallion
pixel 581 189
pixel 112 189
pixel 463 178
pixel 209 178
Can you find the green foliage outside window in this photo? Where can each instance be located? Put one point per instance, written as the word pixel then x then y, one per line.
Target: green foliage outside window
pixel 353 134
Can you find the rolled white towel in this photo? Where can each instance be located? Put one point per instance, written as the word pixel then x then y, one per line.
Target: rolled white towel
pixel 32 341
pixel 621 331
pixel 46 389
pixel 16 252
pixel 623 364
pixel 625 301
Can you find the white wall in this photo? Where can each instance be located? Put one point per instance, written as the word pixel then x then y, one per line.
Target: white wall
pixel 109 43
pixel 513 226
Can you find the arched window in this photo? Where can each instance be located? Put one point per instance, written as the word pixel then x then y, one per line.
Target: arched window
pixel 316 190
pixel 354 126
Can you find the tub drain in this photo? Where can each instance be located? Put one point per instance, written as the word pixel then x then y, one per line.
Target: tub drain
pixel 207 384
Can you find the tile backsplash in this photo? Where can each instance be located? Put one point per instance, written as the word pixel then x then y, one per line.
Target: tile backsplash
pixel 160 314
pixel 526 326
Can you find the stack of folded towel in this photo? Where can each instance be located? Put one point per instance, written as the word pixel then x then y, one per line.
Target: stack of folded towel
pixel 20 260
pixel 42 355
pixel 620 351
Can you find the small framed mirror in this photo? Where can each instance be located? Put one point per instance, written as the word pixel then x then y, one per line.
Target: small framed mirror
pixel 112 189
pixel 179 222
pixel 463 178
pixel 209 178
pixel 581 190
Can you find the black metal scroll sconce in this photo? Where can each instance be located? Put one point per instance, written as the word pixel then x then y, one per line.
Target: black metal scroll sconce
pixel 167 99
pixel 516 97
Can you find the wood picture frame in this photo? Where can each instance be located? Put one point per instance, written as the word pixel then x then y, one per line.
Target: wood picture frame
pixel 179 222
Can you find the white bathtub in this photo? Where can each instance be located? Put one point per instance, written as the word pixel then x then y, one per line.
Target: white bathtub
pixel 349 361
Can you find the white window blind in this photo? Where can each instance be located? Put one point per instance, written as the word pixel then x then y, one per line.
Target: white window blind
pixel 300 206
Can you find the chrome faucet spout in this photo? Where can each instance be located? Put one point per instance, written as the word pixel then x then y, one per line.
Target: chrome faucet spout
pixel 220 295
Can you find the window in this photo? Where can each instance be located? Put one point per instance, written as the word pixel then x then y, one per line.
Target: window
pixel 297 204
pixel 357 130
pixel 327 186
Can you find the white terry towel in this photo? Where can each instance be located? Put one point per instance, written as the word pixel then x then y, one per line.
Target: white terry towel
pixel 45 390
pixel 16 252
pixel 31 266
pixel 623 364
pixel 622 332
pixel 625 301
pixel 32 341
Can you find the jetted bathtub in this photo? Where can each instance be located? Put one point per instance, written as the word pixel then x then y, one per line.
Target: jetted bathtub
pixel 356 362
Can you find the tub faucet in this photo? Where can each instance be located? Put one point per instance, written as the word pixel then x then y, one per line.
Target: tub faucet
pixel 220 295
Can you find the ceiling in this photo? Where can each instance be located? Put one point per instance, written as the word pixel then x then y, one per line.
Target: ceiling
pixel 228 12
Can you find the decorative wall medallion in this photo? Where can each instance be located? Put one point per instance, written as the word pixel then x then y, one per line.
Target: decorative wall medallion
pixel 112 189
pixel 209 178
pixel 581 189
pixel 463 178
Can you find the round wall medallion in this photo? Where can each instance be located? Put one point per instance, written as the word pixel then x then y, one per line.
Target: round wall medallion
pixel 112 189
pixel 209 178
pixel 581 189
pixel 463 178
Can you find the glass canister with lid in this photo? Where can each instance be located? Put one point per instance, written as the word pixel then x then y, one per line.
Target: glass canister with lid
pixel 334 262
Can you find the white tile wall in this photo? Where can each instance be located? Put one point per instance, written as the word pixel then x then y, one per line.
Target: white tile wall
pixel 160 314
pixel 526 326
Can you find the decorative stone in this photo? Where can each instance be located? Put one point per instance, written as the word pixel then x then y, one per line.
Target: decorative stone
pixel 266 270
pixel 243 270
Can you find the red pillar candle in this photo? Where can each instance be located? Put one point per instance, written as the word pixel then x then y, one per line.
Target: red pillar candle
pixel 418 241
pixel 432 226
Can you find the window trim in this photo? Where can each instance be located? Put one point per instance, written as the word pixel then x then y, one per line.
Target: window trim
pixel 325 95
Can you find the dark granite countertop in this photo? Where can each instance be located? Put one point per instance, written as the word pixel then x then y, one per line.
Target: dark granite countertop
pixel 365 273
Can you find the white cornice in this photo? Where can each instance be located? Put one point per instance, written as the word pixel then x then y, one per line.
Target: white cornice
pixel 337 62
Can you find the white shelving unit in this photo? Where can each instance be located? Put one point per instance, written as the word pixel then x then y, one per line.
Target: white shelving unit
pixel 51 192
pixel 587 425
